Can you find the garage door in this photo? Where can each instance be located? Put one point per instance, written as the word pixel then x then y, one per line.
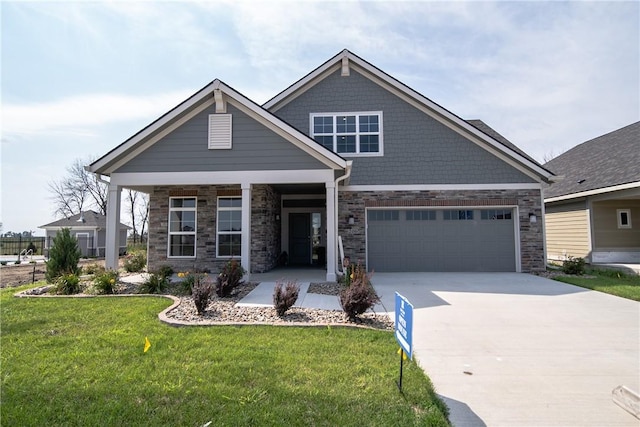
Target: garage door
pixel 441 240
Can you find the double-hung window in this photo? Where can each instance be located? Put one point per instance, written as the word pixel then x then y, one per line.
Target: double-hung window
pixel 182 227
pixel 357 134
pixel 229 227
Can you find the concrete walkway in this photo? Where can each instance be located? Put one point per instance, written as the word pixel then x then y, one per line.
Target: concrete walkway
pixel 262 296
pixel 537 352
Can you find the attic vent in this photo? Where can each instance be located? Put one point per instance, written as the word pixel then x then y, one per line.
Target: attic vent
pixel 219 131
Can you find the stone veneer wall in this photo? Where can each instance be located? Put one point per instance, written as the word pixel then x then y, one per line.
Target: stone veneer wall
pixel 528 202
pixel 265 241
pixel 265 229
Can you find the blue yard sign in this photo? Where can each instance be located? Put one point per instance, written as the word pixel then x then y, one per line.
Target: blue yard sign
pixel 404 324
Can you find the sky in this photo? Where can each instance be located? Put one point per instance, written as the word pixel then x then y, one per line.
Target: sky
pixel 79 78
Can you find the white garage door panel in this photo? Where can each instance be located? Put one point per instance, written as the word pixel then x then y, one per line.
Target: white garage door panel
pixel 469 240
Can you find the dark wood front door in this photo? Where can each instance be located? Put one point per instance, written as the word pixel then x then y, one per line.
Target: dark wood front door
pixel 299 238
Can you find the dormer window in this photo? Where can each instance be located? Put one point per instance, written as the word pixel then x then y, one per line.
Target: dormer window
pixel 349 134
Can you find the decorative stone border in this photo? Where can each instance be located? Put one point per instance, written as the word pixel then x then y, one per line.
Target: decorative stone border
pixel 164 317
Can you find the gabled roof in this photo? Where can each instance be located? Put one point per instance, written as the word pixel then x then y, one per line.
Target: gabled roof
pixel 346 59
pixel 220 93
pixel 86 220
pixel 480 125
pixel 605 163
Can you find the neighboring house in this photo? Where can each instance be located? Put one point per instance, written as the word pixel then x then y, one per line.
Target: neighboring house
pixel 89 228
pixel 594 212
pixel 348 153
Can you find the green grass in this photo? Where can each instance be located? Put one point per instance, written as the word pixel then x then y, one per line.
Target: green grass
pixel 608 281
pixel 81 362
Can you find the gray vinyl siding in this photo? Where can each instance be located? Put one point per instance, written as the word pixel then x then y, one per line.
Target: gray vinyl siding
pixel 417 148
pixel 255 147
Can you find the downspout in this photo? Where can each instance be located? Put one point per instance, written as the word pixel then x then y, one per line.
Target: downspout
pixel 335 213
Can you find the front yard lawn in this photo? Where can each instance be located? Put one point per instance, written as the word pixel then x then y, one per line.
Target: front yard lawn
pixel 608 281
pixel 80 361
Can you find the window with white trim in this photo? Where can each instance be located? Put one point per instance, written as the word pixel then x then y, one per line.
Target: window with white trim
pixel 229 228
pixel 624 218
pixel 357 134
pixel 182 227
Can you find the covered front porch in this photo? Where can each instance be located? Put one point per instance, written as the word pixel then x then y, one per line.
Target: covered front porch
pixel 265 222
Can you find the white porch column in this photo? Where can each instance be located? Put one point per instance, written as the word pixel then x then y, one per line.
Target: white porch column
pixel 112 243
pixel 245 257
pixel 332 231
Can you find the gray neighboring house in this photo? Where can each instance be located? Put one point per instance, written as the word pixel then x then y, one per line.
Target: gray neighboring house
pixel 90 228
pixel 594 212
pixel 347 161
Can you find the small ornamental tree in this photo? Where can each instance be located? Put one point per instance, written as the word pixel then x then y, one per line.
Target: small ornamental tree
pixel 230 277
pixel 359 296
pixel 284 296
pixel 63 256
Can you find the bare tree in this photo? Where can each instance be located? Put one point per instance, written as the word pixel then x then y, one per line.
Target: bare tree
pixel 98 191
pixel 78 190
pixel 550 155
pixel 68 199
pixel 143 213
pixel 132 200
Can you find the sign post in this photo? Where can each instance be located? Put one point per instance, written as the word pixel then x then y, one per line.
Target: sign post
pixel 404 330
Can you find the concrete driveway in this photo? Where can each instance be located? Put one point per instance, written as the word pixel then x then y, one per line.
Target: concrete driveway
pixel 537 352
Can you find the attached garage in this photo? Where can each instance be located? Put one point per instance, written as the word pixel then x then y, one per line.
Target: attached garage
pixel 469 239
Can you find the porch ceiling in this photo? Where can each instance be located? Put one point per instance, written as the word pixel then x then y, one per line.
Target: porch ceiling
pixel 300 188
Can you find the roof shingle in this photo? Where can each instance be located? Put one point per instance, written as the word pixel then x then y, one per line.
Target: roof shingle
pixel 91 220
pixel 608 160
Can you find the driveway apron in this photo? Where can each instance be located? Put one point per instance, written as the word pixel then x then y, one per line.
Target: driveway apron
pixel 510 349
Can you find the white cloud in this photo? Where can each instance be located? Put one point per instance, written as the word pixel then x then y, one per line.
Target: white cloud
pixel 82 114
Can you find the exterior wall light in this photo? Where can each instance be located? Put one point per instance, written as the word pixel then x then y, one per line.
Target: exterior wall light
pixel 533 218
pixel 351 219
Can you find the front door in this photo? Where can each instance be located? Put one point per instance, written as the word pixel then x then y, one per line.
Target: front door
pixel 300 238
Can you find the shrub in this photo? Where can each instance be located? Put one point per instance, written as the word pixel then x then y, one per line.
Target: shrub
pixel 94 269
pixel 285 296
pixel 188 280
pixel 155 284
pixel 105 283
pixel 573 265
pixel 201 291
pixel 135 262
pixel 67 284
pixel 3 262
pixel 359 296
pixel 165 271
pixel 63 256
pixel 18 262
pixel 348 271
pixel 229 278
